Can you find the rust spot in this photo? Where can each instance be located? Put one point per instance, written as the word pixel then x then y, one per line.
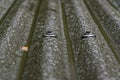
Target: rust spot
pixel 25 48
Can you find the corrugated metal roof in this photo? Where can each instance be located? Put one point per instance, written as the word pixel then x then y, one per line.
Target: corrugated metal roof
pixel 26 55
